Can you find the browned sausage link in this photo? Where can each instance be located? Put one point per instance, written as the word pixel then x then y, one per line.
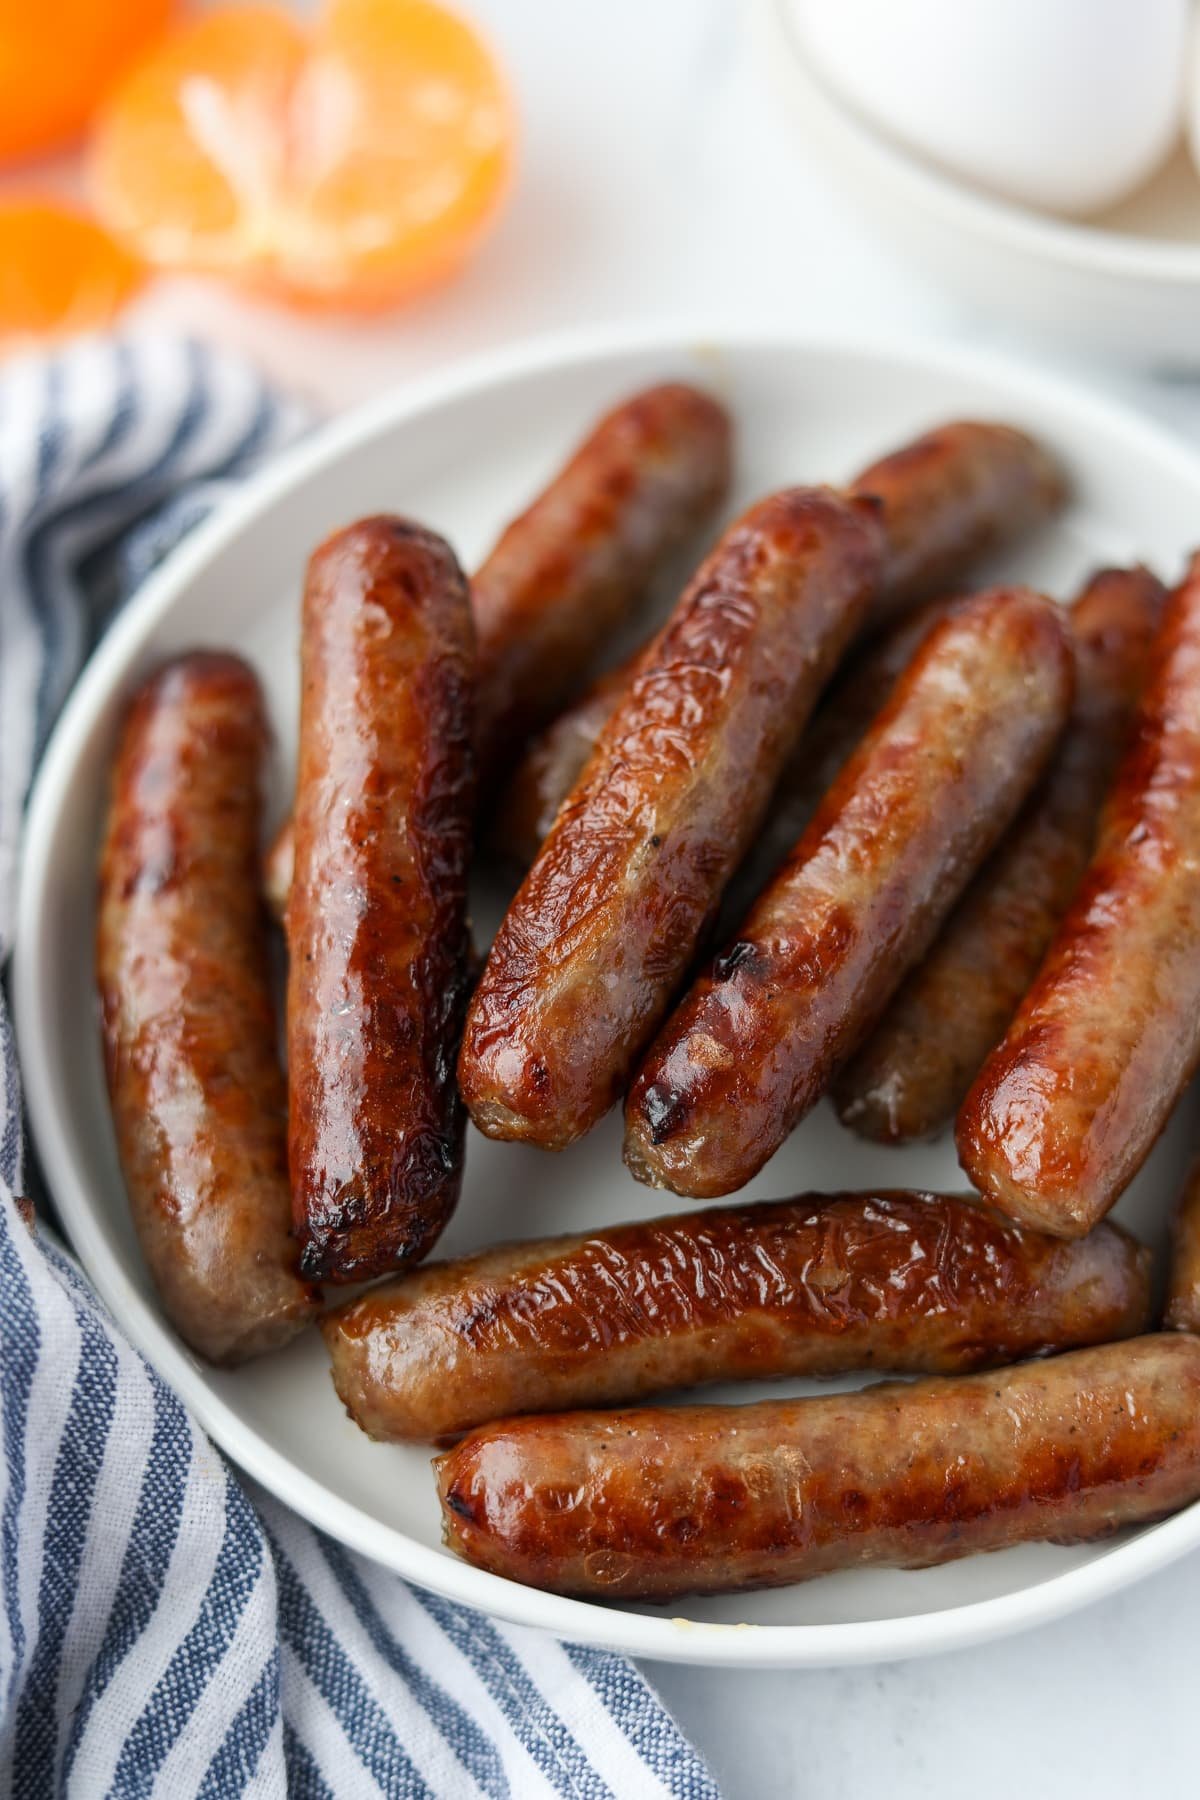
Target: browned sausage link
pixel 552 765
pixel 377 928
pixel 1182 1309
pixel 951 497
pixel 566 573
pixel 814 1286
pixel 936 780
pixel 714 1499
pixel 189 1035
pixel 602 930
pixel 1066 1109
pixel 912 1075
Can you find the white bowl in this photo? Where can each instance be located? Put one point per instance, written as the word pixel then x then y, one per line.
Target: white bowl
pixel 1126 283
pixel 463 452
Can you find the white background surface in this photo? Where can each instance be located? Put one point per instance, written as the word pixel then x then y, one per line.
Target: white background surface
pixel 659 177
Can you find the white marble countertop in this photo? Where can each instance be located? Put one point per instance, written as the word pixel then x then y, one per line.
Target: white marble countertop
pixel 659 178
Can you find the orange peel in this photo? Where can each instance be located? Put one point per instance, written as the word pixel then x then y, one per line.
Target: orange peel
pixel 59 272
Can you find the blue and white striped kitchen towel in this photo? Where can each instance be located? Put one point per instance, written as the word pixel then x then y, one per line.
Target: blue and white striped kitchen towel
pixel 166 1630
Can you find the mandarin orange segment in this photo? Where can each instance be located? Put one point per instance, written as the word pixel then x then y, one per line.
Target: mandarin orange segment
pixel 59 272
pixel 188 159
pixel 349 166
pixel 58 58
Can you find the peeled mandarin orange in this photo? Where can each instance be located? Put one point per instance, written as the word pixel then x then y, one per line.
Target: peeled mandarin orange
pixel 346 166
pixel 59 272
pixel 57 60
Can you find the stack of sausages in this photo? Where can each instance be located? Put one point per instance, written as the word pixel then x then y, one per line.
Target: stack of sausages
pixel 840 826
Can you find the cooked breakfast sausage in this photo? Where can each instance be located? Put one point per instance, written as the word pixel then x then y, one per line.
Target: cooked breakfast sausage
pixel 710 1499
pixel 936 780
pixel 952 496
pixel 376 922
pixel 606 922
pixel 182 964
pixel 912 1074
pixel 814 1286
pixel 1066 1109
pixel 567 573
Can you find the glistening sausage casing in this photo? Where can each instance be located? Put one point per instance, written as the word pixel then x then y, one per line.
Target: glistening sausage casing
pixel 182 963
pixel 912 1074
pixel 1066 1109
pixel 819 1285
pixel 376 920
pixel 566 573
pixel 711 1499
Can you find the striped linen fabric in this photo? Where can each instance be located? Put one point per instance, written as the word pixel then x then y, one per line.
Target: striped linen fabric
pixel 165 1628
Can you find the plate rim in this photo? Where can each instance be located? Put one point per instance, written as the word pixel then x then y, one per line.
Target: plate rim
pixel 1051 237
pixel 636 1634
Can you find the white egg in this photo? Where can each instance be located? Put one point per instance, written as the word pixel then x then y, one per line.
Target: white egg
pixel 1062 104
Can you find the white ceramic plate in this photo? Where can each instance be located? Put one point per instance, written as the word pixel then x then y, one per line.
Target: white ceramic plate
pixel 1126 282
pixel 463 453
